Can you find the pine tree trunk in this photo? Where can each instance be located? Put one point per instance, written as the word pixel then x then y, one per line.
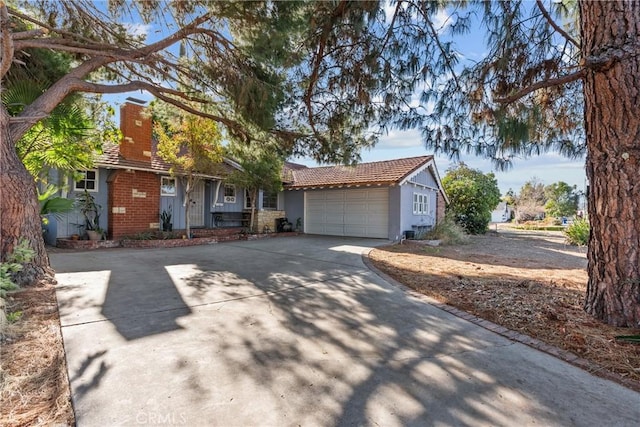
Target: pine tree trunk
pixel 612 98
pixel 19 210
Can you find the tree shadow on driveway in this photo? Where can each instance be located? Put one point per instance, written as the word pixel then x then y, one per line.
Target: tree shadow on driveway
pixel 289 337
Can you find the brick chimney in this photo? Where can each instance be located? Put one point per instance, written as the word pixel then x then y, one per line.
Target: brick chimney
pixel 135 126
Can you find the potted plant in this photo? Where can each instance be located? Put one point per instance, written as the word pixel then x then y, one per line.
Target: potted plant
pixel 91 212
pixel 165 217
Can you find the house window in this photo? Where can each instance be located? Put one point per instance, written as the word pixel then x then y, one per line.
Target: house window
pixel 88 181
pixel 247 200
pixel 420 204
pixel 270 200
pixel 167 186
pixel 229 193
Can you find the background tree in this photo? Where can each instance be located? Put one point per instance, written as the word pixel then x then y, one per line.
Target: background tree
pixel 509 197
pixel 192 146
pixel 472 197
pixel 530 201
pixel 261 170
pixel 562 199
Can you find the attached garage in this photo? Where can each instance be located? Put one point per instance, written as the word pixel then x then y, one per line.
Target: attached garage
pixel 384 200
pixel 348 212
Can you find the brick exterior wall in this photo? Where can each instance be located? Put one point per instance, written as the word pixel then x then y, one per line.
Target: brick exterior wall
pixel 440 208
pixel 136 132
pixel 134 202
pixel 267 218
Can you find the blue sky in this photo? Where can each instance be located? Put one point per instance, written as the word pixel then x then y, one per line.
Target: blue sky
pixel 547 168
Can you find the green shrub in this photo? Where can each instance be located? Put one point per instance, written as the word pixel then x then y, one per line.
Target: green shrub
pixel 448 232
pixel 21 254
pixel 578 232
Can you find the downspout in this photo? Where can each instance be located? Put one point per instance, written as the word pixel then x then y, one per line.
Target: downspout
pixel 215 198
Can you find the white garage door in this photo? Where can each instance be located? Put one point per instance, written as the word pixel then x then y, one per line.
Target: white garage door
pixel 358 213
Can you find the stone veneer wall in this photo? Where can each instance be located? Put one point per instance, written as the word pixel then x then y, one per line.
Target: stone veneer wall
pixel 268 218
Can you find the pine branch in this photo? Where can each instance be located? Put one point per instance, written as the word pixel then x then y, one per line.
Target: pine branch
pixel 541 85
pixel 555 25
pixel 29 34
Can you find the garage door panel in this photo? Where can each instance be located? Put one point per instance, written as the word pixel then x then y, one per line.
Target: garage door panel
pixel 358 210
pixel 358 194
pixel 356 231
pixel 334 218
pixel 331 206
pixel 354 212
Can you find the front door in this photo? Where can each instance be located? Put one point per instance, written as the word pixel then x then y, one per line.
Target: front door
pixel 196 210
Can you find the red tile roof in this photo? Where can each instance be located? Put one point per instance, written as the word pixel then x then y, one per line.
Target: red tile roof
pixel 287 171
pixel 389 172
pixel 111 159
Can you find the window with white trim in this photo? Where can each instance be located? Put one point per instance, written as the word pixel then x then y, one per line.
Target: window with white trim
pixel 229 193
pixel 420 204
pixel 167 186
pixel 88 181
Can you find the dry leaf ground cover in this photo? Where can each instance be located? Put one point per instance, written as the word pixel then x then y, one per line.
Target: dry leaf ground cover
pixel 34 389
pixel 530 282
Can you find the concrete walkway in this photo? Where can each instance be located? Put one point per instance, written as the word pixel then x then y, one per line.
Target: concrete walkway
pixel 297 331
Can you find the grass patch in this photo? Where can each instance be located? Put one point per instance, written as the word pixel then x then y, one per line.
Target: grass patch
pixel 539 227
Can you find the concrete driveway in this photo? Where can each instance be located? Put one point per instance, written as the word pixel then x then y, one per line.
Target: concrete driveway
pixel 296 331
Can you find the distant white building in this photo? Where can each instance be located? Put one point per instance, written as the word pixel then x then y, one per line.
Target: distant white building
pixel 502 213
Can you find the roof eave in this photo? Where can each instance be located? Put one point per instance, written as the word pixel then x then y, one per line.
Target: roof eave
pixel 156 171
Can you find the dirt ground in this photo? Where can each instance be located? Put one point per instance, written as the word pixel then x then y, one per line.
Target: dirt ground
pixel 530 282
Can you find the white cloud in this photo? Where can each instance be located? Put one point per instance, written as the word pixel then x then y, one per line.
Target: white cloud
pixel 138 29
pixel 400 140
pixel 442 20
